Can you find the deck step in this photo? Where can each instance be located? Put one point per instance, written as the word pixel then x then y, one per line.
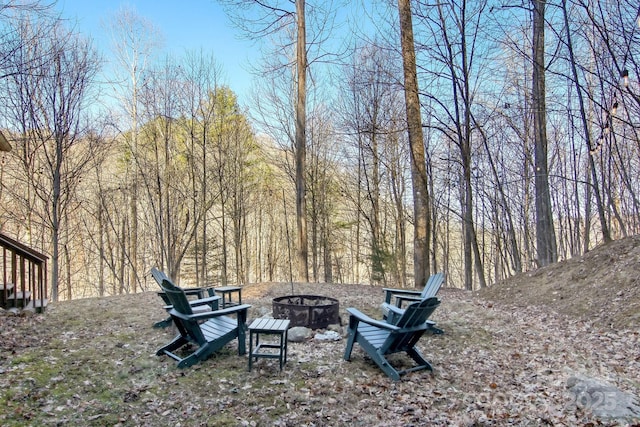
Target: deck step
pixel 7 286
pixel 5 289
pixel 38 305
pixel 18 299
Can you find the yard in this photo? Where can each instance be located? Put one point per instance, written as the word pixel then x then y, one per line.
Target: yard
pixel 505 359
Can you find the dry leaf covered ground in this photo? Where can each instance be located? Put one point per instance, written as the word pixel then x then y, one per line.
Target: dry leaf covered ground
pixel 504 359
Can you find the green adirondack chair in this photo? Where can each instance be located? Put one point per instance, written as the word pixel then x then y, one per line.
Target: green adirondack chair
pixel 208 331
pixel 392 312
pixel 430 289
pixel 202 299
pixel 379 339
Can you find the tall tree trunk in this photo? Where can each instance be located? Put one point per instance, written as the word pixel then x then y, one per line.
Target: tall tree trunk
pixel 587 208
pixel 301 105
pixel 55 260
pixel 545 233
pixel 378 246
pixel 123 259
pixel 67 262
pixel 223 223
pixel 101 244
pixel 422 229
pixel 134 231
pixel 133 203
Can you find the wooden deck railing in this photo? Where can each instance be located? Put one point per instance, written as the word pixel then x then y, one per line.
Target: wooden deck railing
pixel 24 276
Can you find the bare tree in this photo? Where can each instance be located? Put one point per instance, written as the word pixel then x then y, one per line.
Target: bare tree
pixel 49 102
pixel 453 95
pixel 301 141
pixel 202 75
pixel 134 40
pixel 271 19
pixel 608 31
pixel 374 121
pixel 12 40
pixel 545 232
pixel 585 125
pixel 421 202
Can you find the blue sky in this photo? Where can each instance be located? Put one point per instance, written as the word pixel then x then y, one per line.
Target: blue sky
pixel 186 25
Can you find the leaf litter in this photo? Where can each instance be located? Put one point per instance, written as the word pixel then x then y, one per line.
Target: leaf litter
pixel 504 359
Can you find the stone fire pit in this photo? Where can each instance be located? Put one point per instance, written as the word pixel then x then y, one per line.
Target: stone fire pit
pixel 311 311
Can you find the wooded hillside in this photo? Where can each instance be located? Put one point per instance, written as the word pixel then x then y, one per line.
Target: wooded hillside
pixel 530 116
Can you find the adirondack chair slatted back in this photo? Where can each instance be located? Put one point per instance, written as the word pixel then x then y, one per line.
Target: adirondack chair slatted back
pixel 415 315
pixel 180 302
pixel 433 286
pixel 418 312
pixel 176 295
pixel 159 276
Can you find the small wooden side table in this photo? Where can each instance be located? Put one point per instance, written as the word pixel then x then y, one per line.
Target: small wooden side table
pixel 259 327
pixel 227 298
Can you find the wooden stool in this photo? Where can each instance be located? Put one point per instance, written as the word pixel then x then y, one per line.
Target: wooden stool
pixel 268 327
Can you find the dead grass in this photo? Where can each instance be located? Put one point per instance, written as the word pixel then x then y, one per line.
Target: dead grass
pixel 504 360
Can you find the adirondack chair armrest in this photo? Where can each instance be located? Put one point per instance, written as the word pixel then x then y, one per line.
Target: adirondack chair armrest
pixel 407 292
pixel 422 327
pixel 392 313
pixel 199 293
pixel 235 308
pixel 410 298
pixel 391 292
pixel 393 309
pixel 400 291
pixel 356 316
pixel 240 310
pixel 203 301
pixel 198 302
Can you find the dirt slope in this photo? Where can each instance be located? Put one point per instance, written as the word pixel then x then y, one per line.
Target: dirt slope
pixel 603 285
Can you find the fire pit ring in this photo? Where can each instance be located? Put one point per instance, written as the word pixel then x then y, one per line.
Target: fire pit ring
pixel 312 311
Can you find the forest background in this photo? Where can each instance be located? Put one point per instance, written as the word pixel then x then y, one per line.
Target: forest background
pixel 173 172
